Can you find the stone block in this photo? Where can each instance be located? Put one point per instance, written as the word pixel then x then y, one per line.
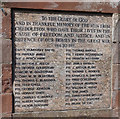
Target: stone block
pixel 116 53
pixel 7 116
pixel 116 99
pixel 87 113
pixel 0 50
pixel 0 70
pixel 0 86
pixel 116 28
pixel 6 78
pixel 115 77
pixel 6 23
pixel 6 103
pixel 0 103
pixel 7 51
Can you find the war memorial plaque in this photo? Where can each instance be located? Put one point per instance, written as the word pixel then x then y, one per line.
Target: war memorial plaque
pixel 62 60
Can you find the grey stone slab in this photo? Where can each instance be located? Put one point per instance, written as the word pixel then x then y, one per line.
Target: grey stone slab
pixel 62 61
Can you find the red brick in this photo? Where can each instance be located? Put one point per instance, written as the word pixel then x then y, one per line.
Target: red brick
pixel 6 78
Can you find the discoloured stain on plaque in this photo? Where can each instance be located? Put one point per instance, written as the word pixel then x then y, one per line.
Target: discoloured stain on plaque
pixel 62 60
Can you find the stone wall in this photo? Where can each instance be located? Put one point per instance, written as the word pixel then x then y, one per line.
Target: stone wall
pixel 6 98
pixel 6 63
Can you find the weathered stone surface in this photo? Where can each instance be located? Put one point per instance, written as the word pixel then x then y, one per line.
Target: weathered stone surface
pixel 0 78
pixel 7 51
pixel 104 7
pixel 70 113
pixel 116 77
pixel 116 55
pixel 115 113
pixel 6 103
pixel 0 85
pixel 7 115
pixel 0 70
pixel 0 104
pixel 6 78
pixel 116 27
pixel 62 61
pixel 0 50
pixel 116 99
pixel 6 23
pixel 116 38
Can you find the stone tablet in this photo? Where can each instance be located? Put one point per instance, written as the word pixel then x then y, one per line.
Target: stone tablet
pixel 62 60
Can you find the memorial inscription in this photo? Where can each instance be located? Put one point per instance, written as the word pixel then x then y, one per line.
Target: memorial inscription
pixel 62 60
